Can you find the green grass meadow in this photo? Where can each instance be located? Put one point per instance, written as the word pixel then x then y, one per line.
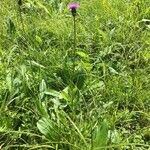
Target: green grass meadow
pixel 54 96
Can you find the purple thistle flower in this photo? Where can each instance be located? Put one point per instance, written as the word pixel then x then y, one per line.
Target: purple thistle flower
pixel 73 7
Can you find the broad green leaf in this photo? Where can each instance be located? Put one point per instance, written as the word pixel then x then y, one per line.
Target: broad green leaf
pixel 101 136
pixel 64 94
pixel 82 54
pixel 52 93
pixel 45 126
pixel 38 39
pixel 48 128
pixel 42 88
pixel 112 70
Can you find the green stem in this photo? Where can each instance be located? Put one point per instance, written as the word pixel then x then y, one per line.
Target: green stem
pixel 74 24
pixel 74 43
pixel 73 57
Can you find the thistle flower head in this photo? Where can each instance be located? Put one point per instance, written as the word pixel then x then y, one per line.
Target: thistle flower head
pixel 73 7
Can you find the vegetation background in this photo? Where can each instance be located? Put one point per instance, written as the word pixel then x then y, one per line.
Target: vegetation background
pixel 103 102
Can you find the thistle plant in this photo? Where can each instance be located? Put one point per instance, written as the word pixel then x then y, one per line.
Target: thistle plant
pixel 73 8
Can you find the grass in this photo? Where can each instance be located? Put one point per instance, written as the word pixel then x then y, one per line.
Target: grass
pixel 103 103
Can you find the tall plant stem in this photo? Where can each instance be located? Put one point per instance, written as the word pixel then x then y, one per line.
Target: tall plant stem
pixel 74 25
pixel 74 42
